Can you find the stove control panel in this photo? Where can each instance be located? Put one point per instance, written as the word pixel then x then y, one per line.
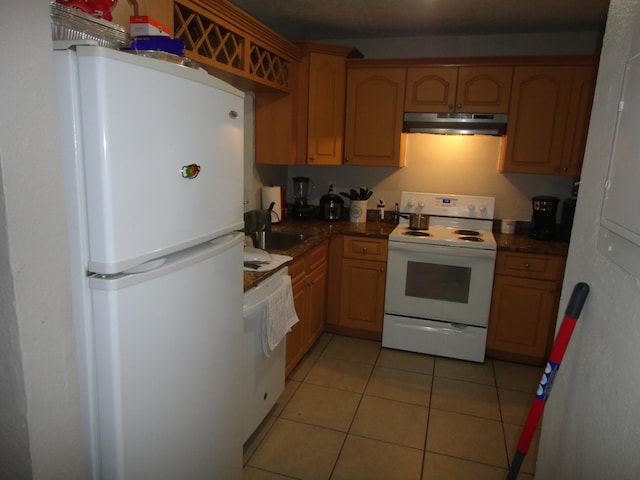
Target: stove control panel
pixel 448 205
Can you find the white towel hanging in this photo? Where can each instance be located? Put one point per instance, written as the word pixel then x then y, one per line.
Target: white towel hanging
pixel 278 317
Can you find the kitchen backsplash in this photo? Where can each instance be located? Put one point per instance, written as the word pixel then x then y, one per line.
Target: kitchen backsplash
pixel 434 163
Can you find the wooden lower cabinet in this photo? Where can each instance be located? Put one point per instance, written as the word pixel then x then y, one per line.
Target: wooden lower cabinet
pixel 356 288
pixel 362 299
pixel 524 307
pixel 308 281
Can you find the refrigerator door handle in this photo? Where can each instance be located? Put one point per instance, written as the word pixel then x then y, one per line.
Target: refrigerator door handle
pixel 162 266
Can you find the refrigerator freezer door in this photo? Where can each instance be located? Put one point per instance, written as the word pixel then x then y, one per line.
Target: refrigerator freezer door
pixel 168 347
pixel 163 158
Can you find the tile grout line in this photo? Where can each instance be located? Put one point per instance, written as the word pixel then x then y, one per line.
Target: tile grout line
pixel 321 353
pixel 426 432
pixel 502 422
pixel 346 436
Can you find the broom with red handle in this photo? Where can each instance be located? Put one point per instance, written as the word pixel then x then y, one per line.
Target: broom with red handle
pixel 578 297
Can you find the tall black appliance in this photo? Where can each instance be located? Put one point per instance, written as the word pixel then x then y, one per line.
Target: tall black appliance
pixel 543 219
pixel 568 212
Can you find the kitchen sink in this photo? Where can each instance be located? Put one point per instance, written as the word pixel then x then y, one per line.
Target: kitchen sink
pixel 277 240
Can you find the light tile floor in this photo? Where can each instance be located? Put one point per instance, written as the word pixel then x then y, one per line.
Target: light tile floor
pixel 353 410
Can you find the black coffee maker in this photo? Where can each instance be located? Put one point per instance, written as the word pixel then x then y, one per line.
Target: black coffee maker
pixel 543 220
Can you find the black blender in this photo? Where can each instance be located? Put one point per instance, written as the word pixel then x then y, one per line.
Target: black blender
pixel 301 209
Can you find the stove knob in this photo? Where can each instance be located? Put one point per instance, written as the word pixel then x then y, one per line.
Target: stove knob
pixel 421 204
pixel 483 208
pixel 471 207
pixel 410 203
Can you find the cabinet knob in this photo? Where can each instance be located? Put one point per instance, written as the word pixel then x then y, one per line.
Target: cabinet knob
pixel 346 159
pixel 526 265
pixel 381 269
pixel 450 106
pixel 459 106
pixel 364 249
pixel 312 158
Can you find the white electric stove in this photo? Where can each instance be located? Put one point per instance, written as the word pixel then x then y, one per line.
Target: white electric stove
pixel 454 220
pixel 440 280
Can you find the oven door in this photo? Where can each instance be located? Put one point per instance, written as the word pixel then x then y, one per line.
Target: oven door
pixel 451 284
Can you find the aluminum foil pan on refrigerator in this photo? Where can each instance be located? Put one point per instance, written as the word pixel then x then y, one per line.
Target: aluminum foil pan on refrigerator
pixel 71 24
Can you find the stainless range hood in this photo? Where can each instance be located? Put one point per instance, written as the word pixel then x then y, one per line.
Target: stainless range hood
pixel 456 123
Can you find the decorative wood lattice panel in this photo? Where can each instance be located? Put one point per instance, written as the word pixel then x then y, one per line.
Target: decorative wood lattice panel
pixel 269 66
pixel 220 46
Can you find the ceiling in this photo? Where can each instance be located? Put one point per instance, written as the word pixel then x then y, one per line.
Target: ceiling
pixel 335 19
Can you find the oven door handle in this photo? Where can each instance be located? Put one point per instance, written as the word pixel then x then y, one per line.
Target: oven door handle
pixel 441 250
pixel 446 327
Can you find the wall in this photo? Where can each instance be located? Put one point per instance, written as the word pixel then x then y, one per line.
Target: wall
pixel 591 426
pixel 575 43
pixel 40 433
pixel 441 164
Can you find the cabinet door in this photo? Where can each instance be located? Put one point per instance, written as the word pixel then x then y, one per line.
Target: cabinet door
pixel 327 87
pixel 295 346
pixel 522 317
pixel 453 89
pixel 537 119
pixel 362 302
pixel 483 89
pixel 582 90
pixel 317 285
pixel 334 281
pixel 431 89
pixel 274 128
pixel 316 282
pixel 373 130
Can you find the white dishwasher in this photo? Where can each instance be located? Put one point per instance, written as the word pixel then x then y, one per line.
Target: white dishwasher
pixel 263 375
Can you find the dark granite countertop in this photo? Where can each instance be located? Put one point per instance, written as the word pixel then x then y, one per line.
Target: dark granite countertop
pixel 320 230
pixel 523 244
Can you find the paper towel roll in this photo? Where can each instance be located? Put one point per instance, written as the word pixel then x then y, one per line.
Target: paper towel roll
pixel 272 194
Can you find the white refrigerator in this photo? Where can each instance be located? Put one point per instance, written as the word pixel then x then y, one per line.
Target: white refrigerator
pixel 154 179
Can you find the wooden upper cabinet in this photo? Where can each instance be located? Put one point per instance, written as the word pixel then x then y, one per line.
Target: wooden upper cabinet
pixel 549 119
pixel 484 89
pixel 375 106
pixel 431 89
pixel 306 127
pixel 582 90
pixel 474 89
pixel 274 128
pixel 538 115
pixel 324 92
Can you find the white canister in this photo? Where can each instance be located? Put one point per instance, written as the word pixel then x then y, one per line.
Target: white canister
pixel 358 211
pixel 508 226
